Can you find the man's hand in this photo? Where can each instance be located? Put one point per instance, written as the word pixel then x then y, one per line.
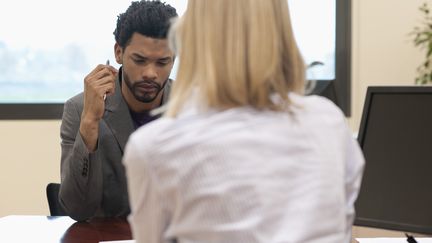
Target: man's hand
pixel 97 84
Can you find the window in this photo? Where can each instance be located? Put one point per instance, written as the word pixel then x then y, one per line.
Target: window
pixel 45 54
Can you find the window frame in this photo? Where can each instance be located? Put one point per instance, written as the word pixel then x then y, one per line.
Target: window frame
pixel 342 81
pixel 343 55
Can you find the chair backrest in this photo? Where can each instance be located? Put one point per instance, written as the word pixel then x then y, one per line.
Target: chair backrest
pixel 52 191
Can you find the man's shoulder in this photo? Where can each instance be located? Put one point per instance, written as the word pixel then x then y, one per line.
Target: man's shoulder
pixel 167 91
pixel 76 101
pixel 169 82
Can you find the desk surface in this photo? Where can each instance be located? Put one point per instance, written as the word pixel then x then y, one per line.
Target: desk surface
pixel 47 229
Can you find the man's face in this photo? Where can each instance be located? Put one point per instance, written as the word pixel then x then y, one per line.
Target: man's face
pixel 147 63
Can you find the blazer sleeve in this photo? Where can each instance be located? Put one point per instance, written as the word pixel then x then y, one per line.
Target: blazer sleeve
pixel 81 173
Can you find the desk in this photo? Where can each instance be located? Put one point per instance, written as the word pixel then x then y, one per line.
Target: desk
pixel 369 232
pixel 47 229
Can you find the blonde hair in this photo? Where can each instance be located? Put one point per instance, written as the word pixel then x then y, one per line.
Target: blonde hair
pixel 237 53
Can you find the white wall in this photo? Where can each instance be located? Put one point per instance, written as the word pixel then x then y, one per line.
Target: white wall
pixel 29 160
pixel 382 54
pixel 382 50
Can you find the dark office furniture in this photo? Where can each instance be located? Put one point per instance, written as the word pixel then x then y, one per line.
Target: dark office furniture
pixel 52 192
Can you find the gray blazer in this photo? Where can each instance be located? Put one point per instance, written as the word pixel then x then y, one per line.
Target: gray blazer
pixel 94 184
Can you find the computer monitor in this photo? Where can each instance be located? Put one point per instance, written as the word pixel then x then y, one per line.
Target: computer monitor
pixel 323 88
pixel 396 138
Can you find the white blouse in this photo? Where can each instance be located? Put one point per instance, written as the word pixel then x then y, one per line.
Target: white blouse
pixel 243 175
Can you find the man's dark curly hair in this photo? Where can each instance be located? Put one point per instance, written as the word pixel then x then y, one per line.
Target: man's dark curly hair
pixel 149 18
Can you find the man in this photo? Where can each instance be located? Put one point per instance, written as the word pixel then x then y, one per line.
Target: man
pixel 97 123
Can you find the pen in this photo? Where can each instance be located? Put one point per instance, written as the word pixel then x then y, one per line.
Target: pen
pixel 107 63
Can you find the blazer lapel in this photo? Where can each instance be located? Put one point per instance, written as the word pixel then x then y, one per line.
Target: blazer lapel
pixel 117 116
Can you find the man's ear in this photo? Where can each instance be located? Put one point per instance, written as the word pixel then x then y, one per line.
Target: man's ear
pixel 118 52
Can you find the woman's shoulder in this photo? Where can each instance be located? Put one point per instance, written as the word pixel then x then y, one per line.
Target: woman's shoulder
pixel 315 104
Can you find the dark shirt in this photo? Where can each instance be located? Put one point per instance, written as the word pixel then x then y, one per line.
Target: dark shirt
pixel 142 118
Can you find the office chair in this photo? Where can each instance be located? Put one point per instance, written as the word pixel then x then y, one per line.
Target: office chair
pixel 52 192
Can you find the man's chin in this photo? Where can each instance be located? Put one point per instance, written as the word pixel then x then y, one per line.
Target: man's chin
pixel 146 98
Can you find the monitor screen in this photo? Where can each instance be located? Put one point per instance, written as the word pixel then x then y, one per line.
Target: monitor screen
pixel 396 138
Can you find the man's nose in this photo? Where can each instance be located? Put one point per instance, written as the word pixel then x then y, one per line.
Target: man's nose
pixel 149 72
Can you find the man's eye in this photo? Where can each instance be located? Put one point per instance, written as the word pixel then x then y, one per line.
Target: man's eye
pixel 139 61
pixel 163 63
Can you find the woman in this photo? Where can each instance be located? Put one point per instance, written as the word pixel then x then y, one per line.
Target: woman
pixel 241 155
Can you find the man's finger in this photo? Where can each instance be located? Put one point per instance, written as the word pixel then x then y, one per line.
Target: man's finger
pixel 103 73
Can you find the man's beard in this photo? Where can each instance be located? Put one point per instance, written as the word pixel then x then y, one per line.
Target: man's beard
pixel 145 97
